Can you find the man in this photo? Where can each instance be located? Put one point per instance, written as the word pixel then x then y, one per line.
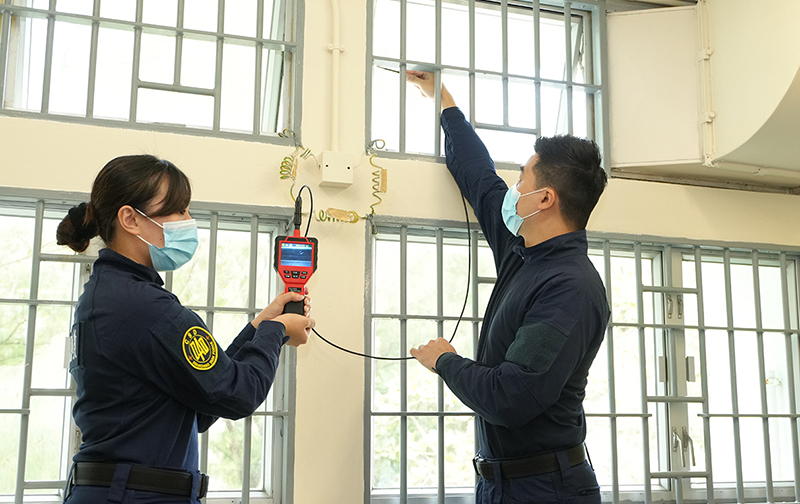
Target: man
pixel 544 322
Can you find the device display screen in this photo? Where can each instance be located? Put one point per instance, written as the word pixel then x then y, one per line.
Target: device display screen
pixel 297 254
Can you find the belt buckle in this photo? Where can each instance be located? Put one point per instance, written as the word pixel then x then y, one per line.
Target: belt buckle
pixel 203 487
pixel 477 458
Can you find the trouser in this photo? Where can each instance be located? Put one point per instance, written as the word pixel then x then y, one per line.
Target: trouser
pixel 568 485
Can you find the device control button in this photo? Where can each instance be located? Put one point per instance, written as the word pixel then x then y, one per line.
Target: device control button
pixel 287 275
pixel 295 274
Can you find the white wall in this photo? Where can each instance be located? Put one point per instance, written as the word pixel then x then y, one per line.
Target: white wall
pixel 330 389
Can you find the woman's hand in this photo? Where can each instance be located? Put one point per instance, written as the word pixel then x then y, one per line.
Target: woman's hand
pixel 275 308
pixel 298 327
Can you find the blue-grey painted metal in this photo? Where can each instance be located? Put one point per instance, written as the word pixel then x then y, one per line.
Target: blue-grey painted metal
pixel 537 58
pixel 176 77
pixel 218 65
pixel 762 375
pixel 93 61
pixel 33 296
pixel 5 39
pixel 402 75
pixel 471 69
pixel 176 88
pixel 737 440
pixel 368 69
pixel 601 113
pixel 475 310
pixel 637 251
pixel 612 393
pixel 437 105
pixel 403 364
pixel 440 450
pixel 504 43
pixel 257 119
pixel 48 58
pixel 568 63
pixel 251 304
pixel 369 269
pixel 137 53
pixel 790 370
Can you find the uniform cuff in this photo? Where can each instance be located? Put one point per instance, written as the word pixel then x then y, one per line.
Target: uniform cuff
pixel 442 362
pixel 270 327
pixel 451 114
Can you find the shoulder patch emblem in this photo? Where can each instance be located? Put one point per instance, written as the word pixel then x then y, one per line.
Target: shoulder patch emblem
pixel 199 348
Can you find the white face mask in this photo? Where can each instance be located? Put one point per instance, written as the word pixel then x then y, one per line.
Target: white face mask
pixel 510 217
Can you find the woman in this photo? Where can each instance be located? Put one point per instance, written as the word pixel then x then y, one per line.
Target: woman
pixel 149 374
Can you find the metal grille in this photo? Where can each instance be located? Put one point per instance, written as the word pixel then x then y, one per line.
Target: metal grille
pixel 518 70
pixel 208 68
pixel 226 282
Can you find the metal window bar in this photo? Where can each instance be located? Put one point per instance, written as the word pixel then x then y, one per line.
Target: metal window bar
pixel 504 37
pixel 402 75
pixel 31 335
pixel 93 60
pixel 48 58
pixel 762 375
pixel 568 62
pixel 737 442
pixel 642 372
pixel 790 372
pixel 439 382
pixel 612 398
pixel 403 364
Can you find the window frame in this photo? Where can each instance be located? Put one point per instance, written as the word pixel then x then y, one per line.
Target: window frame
pixel 593 14
pixel 292 10
pixel 260 222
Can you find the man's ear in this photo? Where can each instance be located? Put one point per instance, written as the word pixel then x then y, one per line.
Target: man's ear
pixel 127 220
pixel 549 199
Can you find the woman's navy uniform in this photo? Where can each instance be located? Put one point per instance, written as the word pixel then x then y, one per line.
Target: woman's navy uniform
pixel 543 326
pixel 149 377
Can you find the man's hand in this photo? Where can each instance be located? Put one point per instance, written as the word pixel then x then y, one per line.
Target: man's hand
pixel 425 82
pixel 427 355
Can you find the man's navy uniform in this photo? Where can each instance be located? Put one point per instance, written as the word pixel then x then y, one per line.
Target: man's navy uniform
pixel 543 326
pixel 149 377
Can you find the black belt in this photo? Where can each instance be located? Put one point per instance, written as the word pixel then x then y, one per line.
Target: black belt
pixel 527 466
pixel 148 479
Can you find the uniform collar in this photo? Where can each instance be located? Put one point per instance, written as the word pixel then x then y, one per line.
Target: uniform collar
pixel 111 259
pixel 559 246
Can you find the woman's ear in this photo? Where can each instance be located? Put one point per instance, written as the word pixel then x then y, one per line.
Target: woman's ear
pixel 126 220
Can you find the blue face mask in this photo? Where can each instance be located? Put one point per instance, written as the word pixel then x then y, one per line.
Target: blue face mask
pixel 180 244
pixel 509 208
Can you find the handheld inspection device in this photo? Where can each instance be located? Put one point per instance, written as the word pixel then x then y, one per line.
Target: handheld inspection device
pixel 295 260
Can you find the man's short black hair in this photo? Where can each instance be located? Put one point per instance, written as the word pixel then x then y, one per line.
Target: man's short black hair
pixel 571 166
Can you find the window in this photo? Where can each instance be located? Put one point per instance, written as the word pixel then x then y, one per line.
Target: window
pixel 693 393
pixel 227 282
pixel 691 396
pixel 422 436
pixel 203 67
pixel 518 70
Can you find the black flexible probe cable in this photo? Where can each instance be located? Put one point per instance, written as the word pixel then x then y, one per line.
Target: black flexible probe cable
pixel 466 296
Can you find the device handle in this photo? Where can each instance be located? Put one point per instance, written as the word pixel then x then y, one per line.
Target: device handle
pixel 297 307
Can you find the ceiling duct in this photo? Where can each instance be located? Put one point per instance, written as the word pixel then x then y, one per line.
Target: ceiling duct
pixel 709 92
